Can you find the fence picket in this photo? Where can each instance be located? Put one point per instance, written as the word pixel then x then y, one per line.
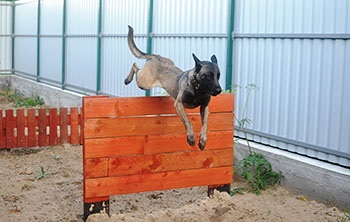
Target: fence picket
pixel 74 126
pixel 53 120
pixel 10 139
pixel 2 132
pixel 31 127
pixel 42 127
pixel 63 125
pixel 21 138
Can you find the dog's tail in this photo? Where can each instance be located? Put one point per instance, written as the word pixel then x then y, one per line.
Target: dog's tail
pixel 133 48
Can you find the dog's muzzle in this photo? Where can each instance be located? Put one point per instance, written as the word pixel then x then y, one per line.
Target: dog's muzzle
pixel 215 92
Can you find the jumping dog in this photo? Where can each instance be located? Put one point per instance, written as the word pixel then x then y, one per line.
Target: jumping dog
pixel 189 89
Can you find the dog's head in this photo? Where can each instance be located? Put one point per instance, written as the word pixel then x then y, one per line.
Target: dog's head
pixel 207 75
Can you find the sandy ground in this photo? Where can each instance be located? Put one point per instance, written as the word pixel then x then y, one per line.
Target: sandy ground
pixel 57 196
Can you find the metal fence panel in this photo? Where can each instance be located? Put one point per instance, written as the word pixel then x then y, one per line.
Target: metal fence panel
pixel 25 56
pixel 26 17
pixel 301 104
pixel 81 64
pixel 25 38
pixel 51 60
pixel 82 17
pixel 51 21
pixel 117 61
pixel 81 45
pixel 184 27
pixel 116 57
pixel 5 38
pixel 51 41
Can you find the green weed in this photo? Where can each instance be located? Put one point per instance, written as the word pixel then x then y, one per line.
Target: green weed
pixel 20 100
pixel 42 173
pixel 258 172
pixel 345 217
pixel 237 190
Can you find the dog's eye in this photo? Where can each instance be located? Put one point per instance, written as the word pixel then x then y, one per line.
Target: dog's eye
pixel 218 75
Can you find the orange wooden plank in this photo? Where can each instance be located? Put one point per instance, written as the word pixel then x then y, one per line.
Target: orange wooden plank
pixel 109 127
pixel 10 138
pixel 74 121
pixel 108 186
pixel 53 120
pixel 63 125
pixel 31 128
pixel 21 138
pixel 96 167
pixel 149 144
pixel 107 107
pixel 141 164
pixel 42 128
pixel 117 146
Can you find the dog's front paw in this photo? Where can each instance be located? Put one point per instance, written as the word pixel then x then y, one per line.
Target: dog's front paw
pixel 190 140
pixel 201 144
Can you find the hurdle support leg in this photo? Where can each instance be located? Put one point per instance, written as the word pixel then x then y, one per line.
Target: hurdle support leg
pixel 220 188
pixel 96 205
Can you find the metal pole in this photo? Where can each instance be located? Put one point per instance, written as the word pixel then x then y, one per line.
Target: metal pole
pixel 63 81
pixel 13 39
pixel 38 44
pixel 149 33
pixel 229 55
pixel 99 39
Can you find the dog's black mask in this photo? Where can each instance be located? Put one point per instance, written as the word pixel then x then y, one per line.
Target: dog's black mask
pixel 207 75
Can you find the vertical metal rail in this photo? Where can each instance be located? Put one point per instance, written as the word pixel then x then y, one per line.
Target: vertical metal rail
pixel 149 33
pixel 13 38
pixel 99 39
pixel 229 54
pixel 63 80
pixel 38 44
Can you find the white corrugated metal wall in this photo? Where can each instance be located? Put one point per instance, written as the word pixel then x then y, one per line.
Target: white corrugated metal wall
pixel 5 37
pixel 295 51
pixel 191 31
pixel 116 57
pixel 298 53
pixel 25 52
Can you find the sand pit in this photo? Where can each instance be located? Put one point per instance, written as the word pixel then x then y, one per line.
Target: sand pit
pixel 57 196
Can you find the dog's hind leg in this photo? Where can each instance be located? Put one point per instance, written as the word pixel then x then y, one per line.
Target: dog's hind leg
pixel 133 71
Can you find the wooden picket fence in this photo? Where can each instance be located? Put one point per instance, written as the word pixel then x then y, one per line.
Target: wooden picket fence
pixel 39 127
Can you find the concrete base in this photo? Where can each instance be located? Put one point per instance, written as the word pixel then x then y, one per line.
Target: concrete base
pixel 323 182
pixel 52 96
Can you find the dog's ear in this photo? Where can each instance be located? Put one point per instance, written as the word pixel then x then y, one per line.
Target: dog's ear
pixel 213 59
pixel 198 63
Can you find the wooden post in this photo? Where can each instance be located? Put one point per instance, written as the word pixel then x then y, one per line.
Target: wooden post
pixel 96 205
pixel 221 188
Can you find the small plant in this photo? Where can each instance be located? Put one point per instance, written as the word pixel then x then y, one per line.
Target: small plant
pixel 345 217
pixel 42 173
pixel 20 100
pixel 258 172
pixel 255 168
pixel 237 190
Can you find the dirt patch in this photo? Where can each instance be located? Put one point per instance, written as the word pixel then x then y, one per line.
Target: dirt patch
pixel 57 196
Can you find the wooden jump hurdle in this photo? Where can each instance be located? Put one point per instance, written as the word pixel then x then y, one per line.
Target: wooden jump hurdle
pixel 139 144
